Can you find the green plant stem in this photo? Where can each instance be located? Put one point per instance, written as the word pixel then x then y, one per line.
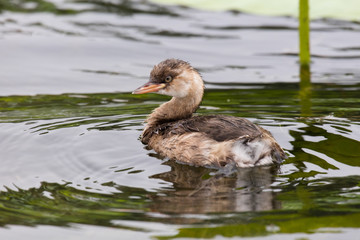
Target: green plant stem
pixel 304 32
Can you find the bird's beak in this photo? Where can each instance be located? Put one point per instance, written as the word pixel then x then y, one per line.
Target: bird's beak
pixel 149 87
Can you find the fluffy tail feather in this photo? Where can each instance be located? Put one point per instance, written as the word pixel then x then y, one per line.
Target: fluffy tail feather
pixel 256 151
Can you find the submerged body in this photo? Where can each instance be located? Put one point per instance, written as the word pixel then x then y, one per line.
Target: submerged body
pixel 210 140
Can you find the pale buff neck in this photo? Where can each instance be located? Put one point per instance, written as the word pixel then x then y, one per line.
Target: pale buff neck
pixel 178 107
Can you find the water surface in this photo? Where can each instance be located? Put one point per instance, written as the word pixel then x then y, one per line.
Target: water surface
pixel 72 164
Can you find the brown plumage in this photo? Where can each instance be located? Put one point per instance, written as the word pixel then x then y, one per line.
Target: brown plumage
pixel 212 141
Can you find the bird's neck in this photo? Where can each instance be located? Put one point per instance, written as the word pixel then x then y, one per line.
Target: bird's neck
pixel 173 110
pixel 176 109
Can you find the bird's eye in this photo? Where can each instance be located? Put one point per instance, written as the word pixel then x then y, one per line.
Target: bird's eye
pixel 168 79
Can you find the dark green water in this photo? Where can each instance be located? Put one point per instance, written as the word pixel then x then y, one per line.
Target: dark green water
pixel 72 164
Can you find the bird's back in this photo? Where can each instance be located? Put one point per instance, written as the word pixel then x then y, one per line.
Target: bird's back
pixel 217 127
pixel 195 140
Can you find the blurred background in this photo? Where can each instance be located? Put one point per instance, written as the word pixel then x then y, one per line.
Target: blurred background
pixel 72 164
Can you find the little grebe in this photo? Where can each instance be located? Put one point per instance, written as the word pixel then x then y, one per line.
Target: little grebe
pixel 212 140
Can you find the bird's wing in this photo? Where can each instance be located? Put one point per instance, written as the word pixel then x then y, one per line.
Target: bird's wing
pixel 217 127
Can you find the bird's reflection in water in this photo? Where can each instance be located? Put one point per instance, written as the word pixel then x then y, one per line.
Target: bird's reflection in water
pixel 201 190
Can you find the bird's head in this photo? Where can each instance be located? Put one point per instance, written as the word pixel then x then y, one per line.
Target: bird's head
pixel 174 78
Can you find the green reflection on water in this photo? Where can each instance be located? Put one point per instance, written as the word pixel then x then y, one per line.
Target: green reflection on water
pixel 58 204
pixel 295 224
pixel 306 208
pixel 263 100
pixel 261 201
pixel 29 6
pixel 305 90
pixel 119 7
pixel 330 203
